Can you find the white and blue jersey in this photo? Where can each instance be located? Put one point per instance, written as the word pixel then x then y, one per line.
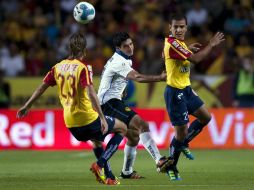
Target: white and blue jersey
pixel 113 78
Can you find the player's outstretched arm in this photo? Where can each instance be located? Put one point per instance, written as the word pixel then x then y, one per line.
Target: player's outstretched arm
pixel 136 76
pixel 96 105
pixel 22 112
pixel 215 40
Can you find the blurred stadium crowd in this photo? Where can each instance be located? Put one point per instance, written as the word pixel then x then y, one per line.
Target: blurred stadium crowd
pixel 34 33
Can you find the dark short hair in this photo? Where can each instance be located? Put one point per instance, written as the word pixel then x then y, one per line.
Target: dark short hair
pixel 177 16
pixel 119 38
pixel 77 44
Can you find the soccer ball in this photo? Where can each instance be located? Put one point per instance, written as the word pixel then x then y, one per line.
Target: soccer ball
pixel 84 12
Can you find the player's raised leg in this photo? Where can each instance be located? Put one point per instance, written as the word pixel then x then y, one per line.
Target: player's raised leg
pixel 98 151
pixel 119 130
pixel 203 118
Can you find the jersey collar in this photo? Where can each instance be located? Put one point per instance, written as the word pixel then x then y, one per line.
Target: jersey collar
pixel 171 36
pixel 119 52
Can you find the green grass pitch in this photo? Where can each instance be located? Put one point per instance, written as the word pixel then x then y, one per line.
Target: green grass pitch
pixel 69 170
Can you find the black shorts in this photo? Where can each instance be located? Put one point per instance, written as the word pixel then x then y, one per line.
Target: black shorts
pixel 180 103
pixel 92 131
pixel 117 109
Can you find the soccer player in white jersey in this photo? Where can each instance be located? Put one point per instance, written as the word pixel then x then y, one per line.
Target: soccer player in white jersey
pixel 115 76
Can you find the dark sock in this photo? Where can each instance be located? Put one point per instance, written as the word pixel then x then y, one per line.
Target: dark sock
pixel 107 169
pixel 177 154
pixel 175 148
pixel 111 148
pixel 174 152
pixel 194 129
pixel 98 152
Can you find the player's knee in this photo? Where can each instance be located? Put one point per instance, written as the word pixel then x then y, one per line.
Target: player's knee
pixel 96 144
pixel 206 119
pixel 132 141
pixel 143 125
pixel 135 136
pixel 137 123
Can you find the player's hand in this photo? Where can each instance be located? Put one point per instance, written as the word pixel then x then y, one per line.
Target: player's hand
pixel 163 75
pixel 217 39
pixel 22 112
pixel 195 47
pixel 104 126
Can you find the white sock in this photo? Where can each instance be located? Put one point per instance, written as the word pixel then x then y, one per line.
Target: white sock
pixel 147 141
pixel 130 153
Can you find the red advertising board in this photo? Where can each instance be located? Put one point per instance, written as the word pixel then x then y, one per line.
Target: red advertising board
pixel 45 129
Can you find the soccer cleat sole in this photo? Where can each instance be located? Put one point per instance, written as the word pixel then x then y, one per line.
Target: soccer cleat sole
pixel 173 176
pixel 163 168
pixel 133 175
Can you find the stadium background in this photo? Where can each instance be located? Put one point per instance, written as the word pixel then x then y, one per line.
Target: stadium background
pixel 34 38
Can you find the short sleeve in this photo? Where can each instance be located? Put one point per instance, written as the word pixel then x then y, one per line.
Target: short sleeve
pixel 49 78
pixel 86 76
pixel 124 69
pixel 177 50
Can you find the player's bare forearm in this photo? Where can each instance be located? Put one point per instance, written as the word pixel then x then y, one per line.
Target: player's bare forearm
pixel 23 111
pixel 217 39
pixel 37 93
pixel 148 78
pixel 94 99
pixel 134 75
pixel 197 57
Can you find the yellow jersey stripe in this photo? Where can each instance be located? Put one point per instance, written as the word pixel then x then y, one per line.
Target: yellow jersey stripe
pixel 178 52
pixel 181 43
pixel 87 75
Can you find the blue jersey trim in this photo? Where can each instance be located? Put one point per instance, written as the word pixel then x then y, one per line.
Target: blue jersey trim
pixel 119 52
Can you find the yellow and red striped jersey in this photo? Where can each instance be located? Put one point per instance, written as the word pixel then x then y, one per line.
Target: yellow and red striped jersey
pixel 71 78
pixel 176 54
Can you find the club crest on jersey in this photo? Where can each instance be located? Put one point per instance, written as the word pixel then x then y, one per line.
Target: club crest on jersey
pixel 127 109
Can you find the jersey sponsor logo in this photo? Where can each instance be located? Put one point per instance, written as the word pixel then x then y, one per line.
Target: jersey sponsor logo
pixel 185 69
pixel 179 47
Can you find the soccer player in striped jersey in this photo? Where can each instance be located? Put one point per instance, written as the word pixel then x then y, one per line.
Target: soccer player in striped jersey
pixel 180 99
pixel 82 112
